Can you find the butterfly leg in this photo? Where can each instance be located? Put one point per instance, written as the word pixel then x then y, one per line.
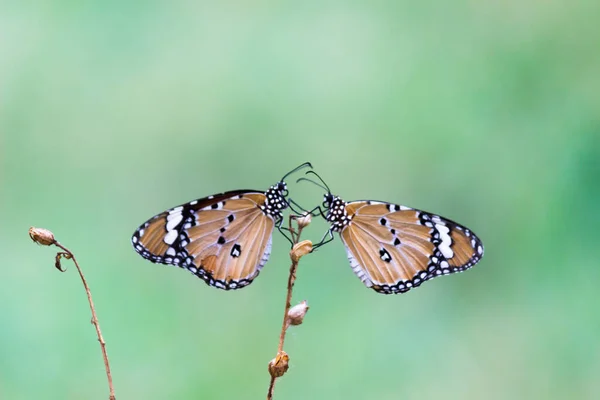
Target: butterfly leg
pixel 281 229
pixel 312 212
pixel 292 203
pixel 328 237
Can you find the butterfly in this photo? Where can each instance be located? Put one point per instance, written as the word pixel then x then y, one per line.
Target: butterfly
pixel 223 239
pixel 393 248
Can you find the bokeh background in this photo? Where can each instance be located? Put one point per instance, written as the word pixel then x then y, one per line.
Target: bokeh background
pixel 485 112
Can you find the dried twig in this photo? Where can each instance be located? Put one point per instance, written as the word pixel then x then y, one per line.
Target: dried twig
pixel 46 238
pixel 292 315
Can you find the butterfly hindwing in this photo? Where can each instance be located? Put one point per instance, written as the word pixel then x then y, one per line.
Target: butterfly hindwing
pixel 223 239
pixel 393 248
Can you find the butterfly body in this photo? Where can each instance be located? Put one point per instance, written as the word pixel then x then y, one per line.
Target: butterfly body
pixel 394 248
pixel 224 239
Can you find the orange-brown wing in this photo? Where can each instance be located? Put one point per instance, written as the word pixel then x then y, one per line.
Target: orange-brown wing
pixel 393 248
pixel 224 239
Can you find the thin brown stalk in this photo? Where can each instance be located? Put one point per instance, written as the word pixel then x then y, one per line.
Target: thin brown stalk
pixel 281 360
pixel 111 389
pixel 285 324
pixel 45 237
pixel 271 387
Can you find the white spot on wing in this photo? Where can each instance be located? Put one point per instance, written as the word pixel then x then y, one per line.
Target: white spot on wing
pixel 173 220
pixel 215 206
pixel 170 237
pixel 219 285
pixel 446 241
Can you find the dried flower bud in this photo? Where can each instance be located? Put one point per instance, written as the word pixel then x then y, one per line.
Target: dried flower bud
pixel 304 220
pixel 296 314
pixel 279 365
pixel 41 236
pixel 300 249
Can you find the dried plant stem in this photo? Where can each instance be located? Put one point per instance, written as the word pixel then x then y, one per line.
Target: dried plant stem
pixel 285 324
pixel 290 286
pixel 271 387
pixel 111 395
pixel 45 237
pixel 288 304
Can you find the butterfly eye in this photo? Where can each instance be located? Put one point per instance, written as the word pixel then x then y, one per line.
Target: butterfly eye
pixel 282 189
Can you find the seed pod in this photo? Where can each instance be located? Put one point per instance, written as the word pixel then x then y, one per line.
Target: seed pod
pixel 300 249
pixel 279 365
pixel 41 236
pixel 304 220
pixel 296 314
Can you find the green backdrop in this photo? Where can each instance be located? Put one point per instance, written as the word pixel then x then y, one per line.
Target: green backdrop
pixel 485 112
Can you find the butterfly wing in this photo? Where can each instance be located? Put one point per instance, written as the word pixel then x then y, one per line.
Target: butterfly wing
pixel 223 239
pixel 393 248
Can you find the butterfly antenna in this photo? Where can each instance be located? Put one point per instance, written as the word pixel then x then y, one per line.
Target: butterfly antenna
pixel 320 179
pixel 299 167
pixel 314 183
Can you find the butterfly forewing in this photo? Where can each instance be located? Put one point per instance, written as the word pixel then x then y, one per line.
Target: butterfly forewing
pixel 393 248
pixel 223 239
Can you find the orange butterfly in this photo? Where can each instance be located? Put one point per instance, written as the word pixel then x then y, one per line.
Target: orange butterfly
pixel 394 248
pixel 224 239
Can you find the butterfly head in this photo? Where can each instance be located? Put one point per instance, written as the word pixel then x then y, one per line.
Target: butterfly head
pixel 282 189
pixel 336 213
pixel 276 196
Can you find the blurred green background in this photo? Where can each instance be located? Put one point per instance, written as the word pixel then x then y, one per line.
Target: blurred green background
pixel 485 112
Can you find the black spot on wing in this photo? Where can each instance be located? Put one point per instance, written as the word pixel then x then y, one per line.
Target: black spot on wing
pixel 236 250
pixel 385 256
